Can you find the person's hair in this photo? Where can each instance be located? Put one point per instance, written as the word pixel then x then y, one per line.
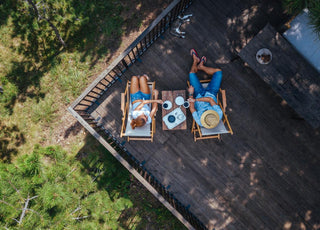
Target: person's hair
pixel 138 122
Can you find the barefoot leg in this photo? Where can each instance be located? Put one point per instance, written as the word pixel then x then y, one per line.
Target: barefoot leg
pixel 134 87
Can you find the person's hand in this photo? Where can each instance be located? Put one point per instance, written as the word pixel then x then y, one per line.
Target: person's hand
pixel 156 93
pixel 160 101
pixel 191 89
pixel 191 100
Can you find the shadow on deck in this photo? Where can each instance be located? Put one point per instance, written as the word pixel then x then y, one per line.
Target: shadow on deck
pixel 265 176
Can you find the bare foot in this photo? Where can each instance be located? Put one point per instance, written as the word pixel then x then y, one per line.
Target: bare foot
pixel 194 55
pixel 202 61
pixel 146 76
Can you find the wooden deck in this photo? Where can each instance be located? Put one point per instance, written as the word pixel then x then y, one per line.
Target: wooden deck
pixel 265 176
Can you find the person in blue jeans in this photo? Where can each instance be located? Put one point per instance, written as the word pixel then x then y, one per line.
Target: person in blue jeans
pixel 203 101
pixel 140 98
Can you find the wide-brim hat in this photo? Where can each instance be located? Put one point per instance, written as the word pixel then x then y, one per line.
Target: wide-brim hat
pixel 210 119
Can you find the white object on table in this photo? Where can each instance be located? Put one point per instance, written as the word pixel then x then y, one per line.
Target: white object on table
pixel 179 100
pixel 167 102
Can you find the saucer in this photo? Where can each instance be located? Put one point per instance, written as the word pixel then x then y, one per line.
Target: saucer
pixel 168 104
pixel 179 100
pixel 264 52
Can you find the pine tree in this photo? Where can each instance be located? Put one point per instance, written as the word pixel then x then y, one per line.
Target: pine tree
pixel 48 189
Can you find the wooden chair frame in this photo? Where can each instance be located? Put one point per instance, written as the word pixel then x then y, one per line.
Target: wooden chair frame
pixel 196 130
pixel 125 103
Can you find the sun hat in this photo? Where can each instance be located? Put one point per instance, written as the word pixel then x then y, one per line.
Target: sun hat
pixel 210 119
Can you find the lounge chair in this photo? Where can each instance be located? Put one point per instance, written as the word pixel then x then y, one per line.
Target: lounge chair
pixel 223 127
pixel 144 133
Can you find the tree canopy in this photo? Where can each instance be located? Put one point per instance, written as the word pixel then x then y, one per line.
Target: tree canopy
pixel 48 189
pixel 47 26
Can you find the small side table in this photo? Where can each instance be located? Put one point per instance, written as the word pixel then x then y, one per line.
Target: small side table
pixel 171 95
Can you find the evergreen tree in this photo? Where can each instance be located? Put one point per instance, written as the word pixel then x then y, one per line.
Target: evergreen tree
pixel 48 189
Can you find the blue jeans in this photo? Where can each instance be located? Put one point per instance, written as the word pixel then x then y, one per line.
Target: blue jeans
pixel 213 87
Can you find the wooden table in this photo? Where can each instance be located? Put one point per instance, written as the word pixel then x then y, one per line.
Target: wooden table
pixel 288 74
pixel 171 95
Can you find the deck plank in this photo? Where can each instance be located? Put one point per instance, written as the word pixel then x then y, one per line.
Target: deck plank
pixel 265 176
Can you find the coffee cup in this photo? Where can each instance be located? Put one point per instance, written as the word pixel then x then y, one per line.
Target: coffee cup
pixel 186 104
pixel 167 105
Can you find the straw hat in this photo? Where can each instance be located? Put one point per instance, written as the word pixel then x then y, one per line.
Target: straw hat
pixel 210 119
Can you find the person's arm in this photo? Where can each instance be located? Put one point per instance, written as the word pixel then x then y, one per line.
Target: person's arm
pixel 191 107
pixel 154 109
pixel 207 99
pixel 191 99
pixel 147 102
pixel 155 103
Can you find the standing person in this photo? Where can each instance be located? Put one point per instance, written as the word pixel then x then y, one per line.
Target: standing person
pixel 141 98
pixel 203 101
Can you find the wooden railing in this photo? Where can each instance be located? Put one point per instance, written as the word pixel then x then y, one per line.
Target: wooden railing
pixel 79 109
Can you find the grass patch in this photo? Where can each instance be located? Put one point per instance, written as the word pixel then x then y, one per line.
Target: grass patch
pixel 71 74
pixel 44 110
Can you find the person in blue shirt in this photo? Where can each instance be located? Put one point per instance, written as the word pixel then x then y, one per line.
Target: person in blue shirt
pixel 203 101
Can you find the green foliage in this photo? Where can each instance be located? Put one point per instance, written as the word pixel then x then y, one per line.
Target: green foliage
pixel 71 75
pixel 29 165
pixel 76 21
pixel 296 6
pixel 124 188
pixel 32 49
pixel 10 139
pixel 44 110
pixel 64 195
pixel 8 98
pixel 315 17
pixel 106 170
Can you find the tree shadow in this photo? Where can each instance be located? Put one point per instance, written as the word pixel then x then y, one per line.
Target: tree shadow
pixel 73 129
pixel 149 209
pixel 23 75
pixel 251 18
pixel 108 23
pixel 106 171
pixel 4 12
pixel 96 29
pixel 10 139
